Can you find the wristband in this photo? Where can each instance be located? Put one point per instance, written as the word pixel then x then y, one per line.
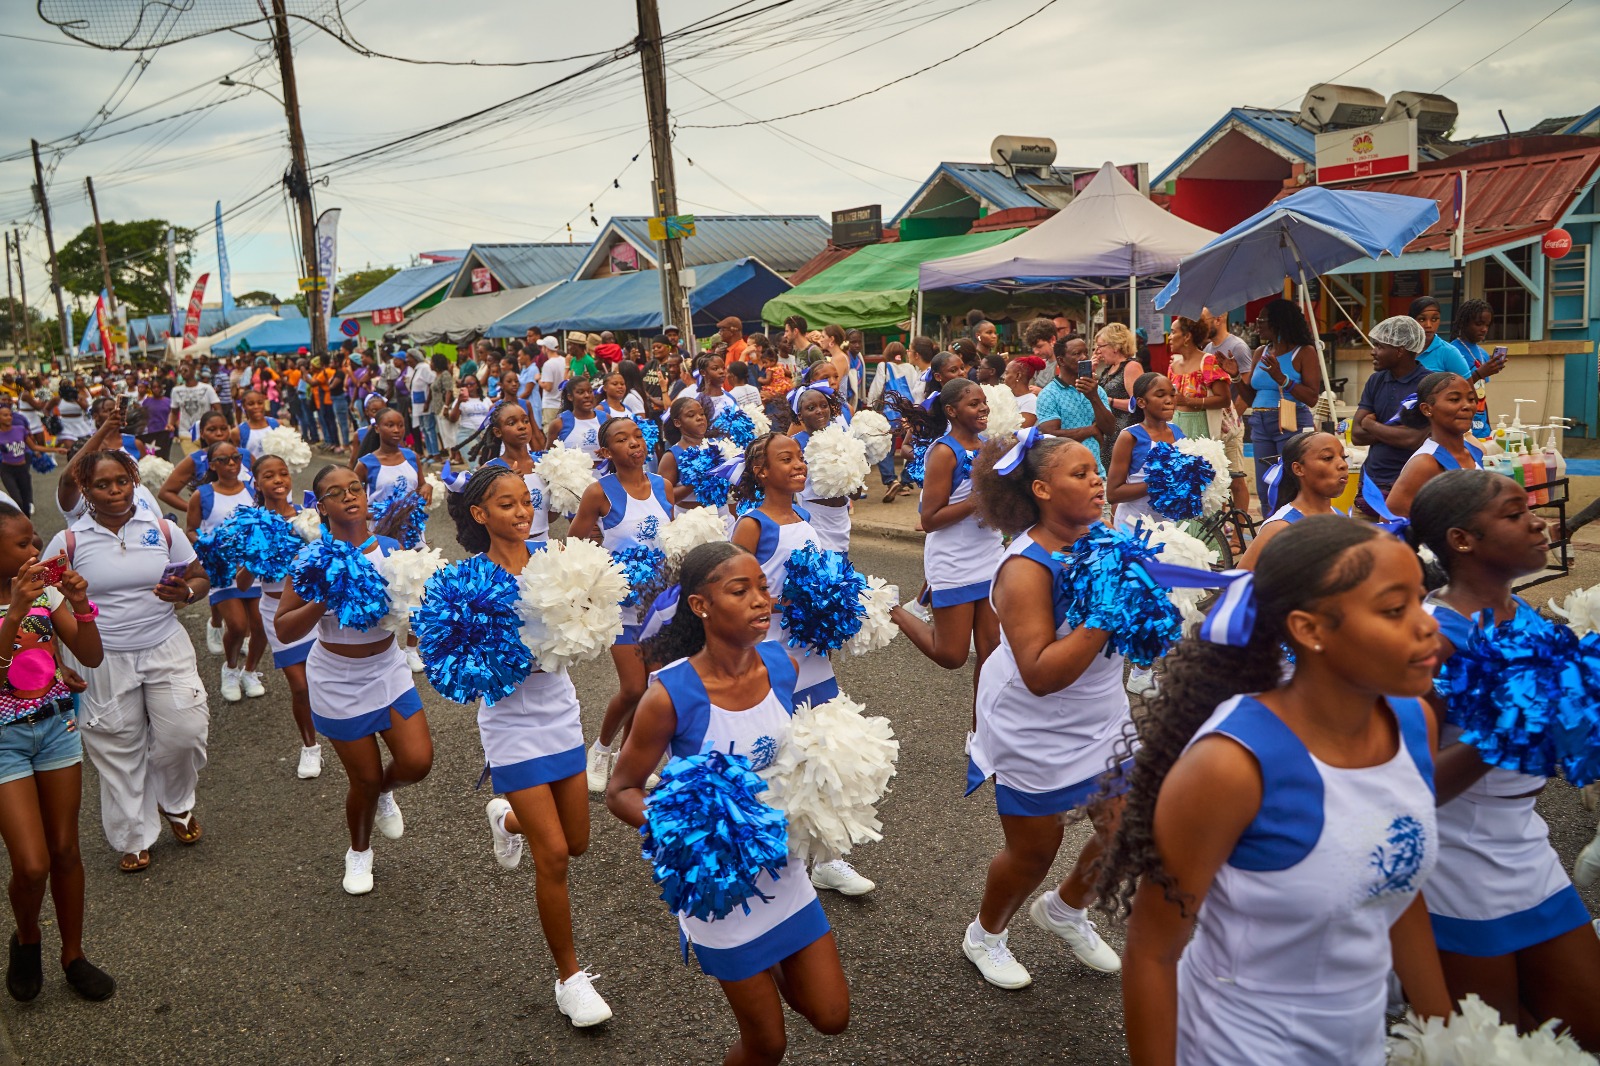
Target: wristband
pixel 94 612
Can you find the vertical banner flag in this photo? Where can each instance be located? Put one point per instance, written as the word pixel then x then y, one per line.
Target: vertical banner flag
pixel 103 320
pixel 222 266
pixel 327 256
pixel 92 329
pixel 172 282
pixel 191 321
pixel 1458 217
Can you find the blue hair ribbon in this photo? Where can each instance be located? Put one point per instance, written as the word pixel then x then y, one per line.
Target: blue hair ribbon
pixel 1372 496
pixel 1019 451
pixel 1272 480
pixel 730 471
pixel 309 500
pixel 795 395
pixel 453 481
pixel 1407 404
pixel 661 613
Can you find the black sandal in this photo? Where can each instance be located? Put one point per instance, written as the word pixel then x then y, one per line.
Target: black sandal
pixel 25 973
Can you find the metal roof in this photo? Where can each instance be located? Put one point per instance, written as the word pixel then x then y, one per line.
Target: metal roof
pixel 992 187
pixel 518 266
pixel 1275 129
pixel 403 289
pixel 782 242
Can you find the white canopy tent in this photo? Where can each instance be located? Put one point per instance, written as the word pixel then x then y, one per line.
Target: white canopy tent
pixel 219 339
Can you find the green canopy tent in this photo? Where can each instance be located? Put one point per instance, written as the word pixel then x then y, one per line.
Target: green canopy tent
pixel 876 288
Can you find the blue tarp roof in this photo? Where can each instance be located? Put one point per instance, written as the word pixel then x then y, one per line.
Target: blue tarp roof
pixel 783 242
pixel 403 289
pixel 283 337
pixel 633 301
pixel 212 320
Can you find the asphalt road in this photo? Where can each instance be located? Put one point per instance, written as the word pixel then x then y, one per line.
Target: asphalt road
pixel 244 949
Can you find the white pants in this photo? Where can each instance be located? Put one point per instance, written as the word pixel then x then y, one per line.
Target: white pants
pixel 144 721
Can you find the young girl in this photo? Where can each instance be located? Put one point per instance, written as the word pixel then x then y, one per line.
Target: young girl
pixel 710 374
pixel 186 476
pixel 1051 708
pixel 729 689
pixel 1275 834
pixel 738 385
pixel 255 421
pixel 830 517
pixel 1446 405
pixel 41 758
pixel 1509 924
pixel 627 506
pixel 1314 473
pixel 577 426
pixel 273 491
pixel 775 473
pixel 1125 487
pixel 687 423
pixel 615 401
pixel 533 744
pixel 388 468
pixel 219 495
pixel 360 687
pixel 503 442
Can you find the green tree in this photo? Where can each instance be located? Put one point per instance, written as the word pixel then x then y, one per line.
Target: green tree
pixel 14 310
pixel 258 298
pixel 353 286
pixel 137 251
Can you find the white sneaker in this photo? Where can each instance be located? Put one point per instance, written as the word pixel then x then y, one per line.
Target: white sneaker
pixel 230 684
pixel 1080 935
pixel 414 660
pixel 358 872
pixel 598 766
pixel 388 819
pixel 577 999
pixel 213 639
pixel 1586 870
pixel 507 846
pixel 310 762
pixel 916 610
pixel 251 680
pixel 1141 682
pixel 992 956
pixel 841 877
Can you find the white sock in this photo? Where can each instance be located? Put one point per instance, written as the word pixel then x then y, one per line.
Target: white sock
pixel 500 823
pixel 602 748
pixel 977 934
pixel 1062 911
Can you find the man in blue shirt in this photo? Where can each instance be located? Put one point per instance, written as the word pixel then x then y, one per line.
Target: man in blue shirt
pixel 1075 407
pixel 1395 344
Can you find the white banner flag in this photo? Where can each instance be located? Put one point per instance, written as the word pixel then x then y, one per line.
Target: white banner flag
pixel 327 256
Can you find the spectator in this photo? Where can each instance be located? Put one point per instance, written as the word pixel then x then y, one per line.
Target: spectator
pixel 529 393
pixel 441 397
pixel 1073 406
pixel 580 363
pixel 802 349
pixel 987 337
pixel 222 385
pixel 1396 343
pixel 608 352
pixel 1234 359
pixel 1286 372
pixel 419 381
pixel 551 375
pixel 731 330
pixel 675 338
pixel 1117 368
pixel 1040 337
pixel 1437 353
pixel 189 401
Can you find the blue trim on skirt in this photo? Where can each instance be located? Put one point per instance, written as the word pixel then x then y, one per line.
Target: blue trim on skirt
pixel 963 594
pixel 366 725
pixel 538 771
pixel 292 656
pixel 1560 913
pixel 234 593
pixel 800 930
pixel 1013 802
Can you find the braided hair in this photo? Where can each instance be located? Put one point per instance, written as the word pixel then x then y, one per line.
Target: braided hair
pixel 483 445
pixel 685 635
pixel 470 533
pixel 1468 313
pixel 748 489
pixel 929 422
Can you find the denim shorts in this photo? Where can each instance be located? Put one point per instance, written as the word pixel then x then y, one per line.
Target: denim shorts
pixel 28 748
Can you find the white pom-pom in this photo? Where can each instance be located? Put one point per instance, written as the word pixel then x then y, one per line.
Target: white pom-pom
pixel 570 599
pixel 440 492
pixel 1219 492
pixel 692 528
pixel 286 444
pixel 1184 549
pixel 877 600
pixel 758 418
pixel 829 776
pixel 1005 416
pixel 566 472
pixel 1476 1034
pixel 837 462
pixel 873 430
pixel 406 573
pixel 1580 610
pixel 308 524
pixel 730 451
pixel 153 472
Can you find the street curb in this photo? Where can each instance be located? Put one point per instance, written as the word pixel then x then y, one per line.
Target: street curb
pixel 887 532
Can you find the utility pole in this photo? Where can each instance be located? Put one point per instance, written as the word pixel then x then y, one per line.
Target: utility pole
pixel 11 298
pixel 22 289
pixel 676 312
pixel 105 265
pixel 55 268
pixel 298 179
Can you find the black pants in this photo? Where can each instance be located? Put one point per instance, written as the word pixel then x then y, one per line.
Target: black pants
pixel 18 481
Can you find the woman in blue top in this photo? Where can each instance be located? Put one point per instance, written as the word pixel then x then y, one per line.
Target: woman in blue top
pixel 1474 319
pixel 1446 405
pixel 1312 473
pixel 1437 353
pixel 1286 368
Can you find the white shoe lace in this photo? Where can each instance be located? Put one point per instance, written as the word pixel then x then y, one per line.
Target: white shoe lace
pixel 999 953
pixel 387 807
pixel 580 986
pixel 842 868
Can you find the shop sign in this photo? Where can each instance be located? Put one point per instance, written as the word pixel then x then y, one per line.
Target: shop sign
pixel 482 281
pixel 858 226
pixel 1556 244
pixel 1367 152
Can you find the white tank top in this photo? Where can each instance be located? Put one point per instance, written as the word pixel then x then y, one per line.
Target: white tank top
pixel 773 548
pixel 634 521
pixel 216 507
pixel 538 496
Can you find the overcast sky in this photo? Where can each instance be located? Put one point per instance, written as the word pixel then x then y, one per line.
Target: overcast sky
pixel 1128 82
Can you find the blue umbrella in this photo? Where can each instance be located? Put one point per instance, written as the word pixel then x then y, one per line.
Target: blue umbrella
pixel 1312 231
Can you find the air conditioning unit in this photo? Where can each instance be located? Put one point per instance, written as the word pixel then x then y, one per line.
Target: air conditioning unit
pixel 1036 153
pixel 1335 107
pixel 1435 115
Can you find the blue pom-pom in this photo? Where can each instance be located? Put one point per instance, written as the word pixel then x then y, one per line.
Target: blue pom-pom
pixel 43 462
pixel 1177 482
pixel 916 469
pixel 736 425
pixel 650 432
pixel 333 573
pixel 822 599
pixel 744 507
pixel 409 531
pixel 261 542
pixel 708 838
pixel 1107 587
pixel 1523 693
pixel 469 632
pixel 213 549
pixel 697 469
pixel 641 565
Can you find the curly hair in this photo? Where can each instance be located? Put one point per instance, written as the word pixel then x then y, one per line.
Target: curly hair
pixel 1119 337
pixel 1315 558
pixel 83 467
pixel 1468 313
pixel 686 634
pixel 748 489
pixel 483 444
pixel 1006 501
pixel 470 533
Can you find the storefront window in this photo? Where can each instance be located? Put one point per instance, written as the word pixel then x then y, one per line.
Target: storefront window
pixel 1506 295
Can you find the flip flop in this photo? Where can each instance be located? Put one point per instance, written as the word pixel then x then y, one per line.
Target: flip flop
pixel 139 862
pixel 186 829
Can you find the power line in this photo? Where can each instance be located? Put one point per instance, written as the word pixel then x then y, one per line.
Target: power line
pixel 1504 46
pixel 1379 52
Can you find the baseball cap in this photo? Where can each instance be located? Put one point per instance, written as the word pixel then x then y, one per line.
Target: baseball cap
pixel 672 329
pixel 1401 331
pixel 549 342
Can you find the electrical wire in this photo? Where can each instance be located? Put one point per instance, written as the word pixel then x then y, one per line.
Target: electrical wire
pixel 1398 40
pixel 1505 45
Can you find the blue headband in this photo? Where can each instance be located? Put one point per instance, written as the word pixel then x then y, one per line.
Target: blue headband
pixel 1273 479
pixel 1407 404
pixel 1019 451
pixel 795 395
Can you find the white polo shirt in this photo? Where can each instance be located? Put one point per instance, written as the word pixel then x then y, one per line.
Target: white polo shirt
pixel 143 499
pixel 122 573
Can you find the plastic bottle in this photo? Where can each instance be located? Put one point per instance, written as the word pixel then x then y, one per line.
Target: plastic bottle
pixel 1555 464
pixel 1500 432
pixel 1533 471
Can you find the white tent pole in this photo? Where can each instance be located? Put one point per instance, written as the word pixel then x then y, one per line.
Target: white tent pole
pixel 1311 321
pixel 916 326
pixel 1133 301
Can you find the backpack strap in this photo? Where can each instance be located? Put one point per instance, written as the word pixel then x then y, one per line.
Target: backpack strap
pixel 72 546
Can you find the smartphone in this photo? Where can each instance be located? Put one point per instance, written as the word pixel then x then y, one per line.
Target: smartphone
pixel 1500 352
pixel 173 572
pixel 1085 367
pixel 54 569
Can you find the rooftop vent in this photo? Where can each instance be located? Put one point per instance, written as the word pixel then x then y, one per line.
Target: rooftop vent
pixel 1336 107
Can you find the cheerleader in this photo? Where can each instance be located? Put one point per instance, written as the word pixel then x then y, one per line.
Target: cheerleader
pixel 218 496
pixel 1051 708
pixel 1125 474
pixel 1446 403
pixel 1311 473
pixel 389 469
pixel 729 689
pixel 616 401
pixel 503 441
pixel 685 431
pixel 774 474
pixel 255 422
pixel 190 471
pixel 710 377
pixel 273 491
pixel 1509 924
pixel 533 744
pixel 360 687
pixel 1275 835
pixel 817 408
pixel 576 425
pixel 628 506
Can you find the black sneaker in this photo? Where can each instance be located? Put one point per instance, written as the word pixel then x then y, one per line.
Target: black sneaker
pixel 24 974
pixel 89 981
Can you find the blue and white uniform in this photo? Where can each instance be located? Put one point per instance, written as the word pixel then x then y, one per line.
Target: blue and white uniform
pixel 831 521
pixel 396 480
pixel 352 698
pixel 215 508
pixel 202 467
pixel 1127 513
pixel 250 440
pixel 283 655
pixel 539 496
pixel 1500 886
pixel 580 433
pixel 959 561
pixel 790 917
pixel 1446 461
pixel 632 521
pixel 1045 753
pixel 816 683
pixel 1290 958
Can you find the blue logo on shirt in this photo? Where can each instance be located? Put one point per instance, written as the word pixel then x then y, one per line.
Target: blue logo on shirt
pixel 591 437
pixel 536 498
pixel 649 528
pixel 762 752
pixel 1399 859
pixel 152 538
pixel 402 485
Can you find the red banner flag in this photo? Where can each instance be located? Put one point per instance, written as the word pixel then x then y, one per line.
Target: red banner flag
pixel 103 320
pixel 191 321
